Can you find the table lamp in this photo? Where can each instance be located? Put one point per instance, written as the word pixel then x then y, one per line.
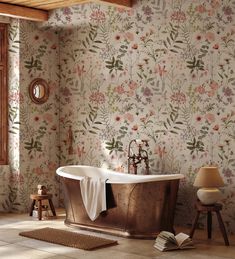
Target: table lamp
pixel 208 178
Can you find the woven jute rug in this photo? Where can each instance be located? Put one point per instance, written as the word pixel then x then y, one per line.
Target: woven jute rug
pixel 67 238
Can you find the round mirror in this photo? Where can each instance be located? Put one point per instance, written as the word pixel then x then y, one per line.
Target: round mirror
pixel 39 91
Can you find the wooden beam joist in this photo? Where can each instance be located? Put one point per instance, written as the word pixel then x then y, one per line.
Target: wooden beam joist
pixel 27 13
pixel 127 3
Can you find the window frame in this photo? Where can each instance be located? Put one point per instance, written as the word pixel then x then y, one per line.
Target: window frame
pixel 3 94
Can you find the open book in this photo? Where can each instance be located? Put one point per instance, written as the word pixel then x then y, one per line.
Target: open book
pixel 166 241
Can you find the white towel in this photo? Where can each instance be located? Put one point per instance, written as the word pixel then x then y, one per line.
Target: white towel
pixel 93 193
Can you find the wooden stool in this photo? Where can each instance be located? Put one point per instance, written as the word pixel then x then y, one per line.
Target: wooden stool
pixel 217 207
pixel 39 198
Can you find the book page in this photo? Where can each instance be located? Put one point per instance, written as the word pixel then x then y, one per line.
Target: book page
pixel 168 236
pixel 182 239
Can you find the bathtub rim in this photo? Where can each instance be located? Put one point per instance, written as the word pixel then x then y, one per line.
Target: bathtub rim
pixel 125 178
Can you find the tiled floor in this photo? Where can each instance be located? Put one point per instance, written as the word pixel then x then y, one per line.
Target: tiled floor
pixel 13 246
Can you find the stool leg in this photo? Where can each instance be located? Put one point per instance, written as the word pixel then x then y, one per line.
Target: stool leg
pixel 52 207
pixel 31 208
pixel 39 209
pixel 209 224
pixel 194 224
pixel 222 228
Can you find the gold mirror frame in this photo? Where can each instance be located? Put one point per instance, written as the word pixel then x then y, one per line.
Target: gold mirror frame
pixel 39 87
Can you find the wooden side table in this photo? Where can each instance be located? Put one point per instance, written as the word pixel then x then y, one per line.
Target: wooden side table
pixel 217 207
pixel 39 198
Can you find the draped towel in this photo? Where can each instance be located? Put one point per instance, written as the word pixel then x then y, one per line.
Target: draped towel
pixel 93 191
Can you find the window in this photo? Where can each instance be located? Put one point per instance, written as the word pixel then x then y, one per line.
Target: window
pixel 3 95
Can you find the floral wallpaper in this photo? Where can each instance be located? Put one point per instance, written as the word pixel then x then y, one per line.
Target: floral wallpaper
pixel 39 134
pixel 33 129
pixel 161 71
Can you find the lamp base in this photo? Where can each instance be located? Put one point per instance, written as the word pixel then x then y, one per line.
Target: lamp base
pixel 209 196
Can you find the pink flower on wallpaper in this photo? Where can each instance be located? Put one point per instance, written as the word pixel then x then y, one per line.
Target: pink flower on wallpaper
pixel 160 70
pixel 80 151
pixel 152 112
pixel 38 170
pixel 129 117
pixel 48 117
pixel 98 16
pixel 210 36
pixel 52 85
pixel 54 46
pixel 178 97
pixel 227 173
pixel 67 11
pixel 147 92
pixel 53 128
pixel 216 127
pixel 216 46
pixel 121 9
pixel 227 10
pixel 215 3
pixel 65 91
pixel 129 36
pixel 200 89
pixel 50 35
pixel 119 89
pixel 201 8
pixel 97 97
pixel 147 10
pixel 178 16
pixel 227 91
pixel 79 70
pixel 214 85
pixel 130 93
pixel 132 85
pixel 210 117
pixel 51 166
pixel 134 46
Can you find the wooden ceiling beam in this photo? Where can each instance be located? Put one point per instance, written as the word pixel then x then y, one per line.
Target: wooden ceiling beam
pixel 127 3
pixel 23 12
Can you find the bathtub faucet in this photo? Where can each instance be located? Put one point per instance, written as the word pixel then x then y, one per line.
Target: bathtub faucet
pixel 142 155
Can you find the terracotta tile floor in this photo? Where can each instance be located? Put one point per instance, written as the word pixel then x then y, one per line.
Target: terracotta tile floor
pixel 16 247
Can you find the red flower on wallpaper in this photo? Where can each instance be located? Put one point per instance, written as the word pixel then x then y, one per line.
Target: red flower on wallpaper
pixel 98 16
pixel 97 97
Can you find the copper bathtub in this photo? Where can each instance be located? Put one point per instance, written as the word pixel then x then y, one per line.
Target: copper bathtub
pixel 139 206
